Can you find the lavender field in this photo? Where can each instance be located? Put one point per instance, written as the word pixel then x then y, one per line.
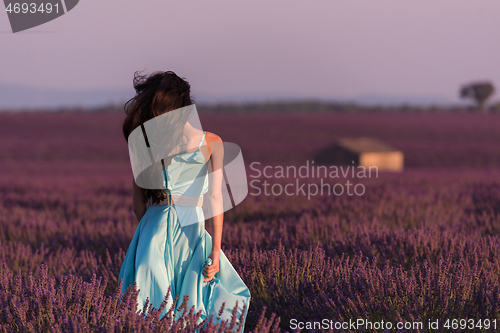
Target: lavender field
pixel 417 246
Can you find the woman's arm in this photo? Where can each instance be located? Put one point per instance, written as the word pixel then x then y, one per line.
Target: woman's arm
pixel 138 201
pixel 215 202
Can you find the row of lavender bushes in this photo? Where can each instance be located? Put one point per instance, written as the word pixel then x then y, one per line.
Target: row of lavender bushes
pixel 418 245
pixel 305 285
pixel 68 303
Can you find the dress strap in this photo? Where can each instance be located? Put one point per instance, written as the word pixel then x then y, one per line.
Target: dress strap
pixel 202 138
pixel 165 178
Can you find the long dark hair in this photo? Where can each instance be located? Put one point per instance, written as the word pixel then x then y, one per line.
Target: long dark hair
pixel 156 94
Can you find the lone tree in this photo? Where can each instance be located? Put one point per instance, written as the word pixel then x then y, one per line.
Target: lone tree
pixel 479 92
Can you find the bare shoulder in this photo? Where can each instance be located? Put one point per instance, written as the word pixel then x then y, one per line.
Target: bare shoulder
pixel 212 137
pixel 214 143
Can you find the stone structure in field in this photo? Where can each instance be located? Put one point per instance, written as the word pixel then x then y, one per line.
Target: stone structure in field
pixel 364 151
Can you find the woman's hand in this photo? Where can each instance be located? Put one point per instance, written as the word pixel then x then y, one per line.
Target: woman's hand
pixel 210 270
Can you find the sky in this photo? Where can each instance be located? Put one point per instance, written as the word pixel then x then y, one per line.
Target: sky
pixel 228 50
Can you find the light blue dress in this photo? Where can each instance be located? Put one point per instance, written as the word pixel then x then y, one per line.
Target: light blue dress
pixel 165 254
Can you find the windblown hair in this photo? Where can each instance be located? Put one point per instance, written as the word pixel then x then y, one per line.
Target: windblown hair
pixel 156 94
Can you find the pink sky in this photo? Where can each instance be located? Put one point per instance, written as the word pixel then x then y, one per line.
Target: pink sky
pixel 322 48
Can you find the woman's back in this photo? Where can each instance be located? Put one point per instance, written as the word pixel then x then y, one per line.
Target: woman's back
pixel 187 173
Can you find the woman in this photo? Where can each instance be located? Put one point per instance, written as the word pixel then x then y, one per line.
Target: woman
pixel 170 245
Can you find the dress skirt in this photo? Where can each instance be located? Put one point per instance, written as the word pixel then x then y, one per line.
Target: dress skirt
pixel 164 254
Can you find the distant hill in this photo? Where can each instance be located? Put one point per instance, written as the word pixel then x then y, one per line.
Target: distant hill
pixel 21 97
pixel 13 96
